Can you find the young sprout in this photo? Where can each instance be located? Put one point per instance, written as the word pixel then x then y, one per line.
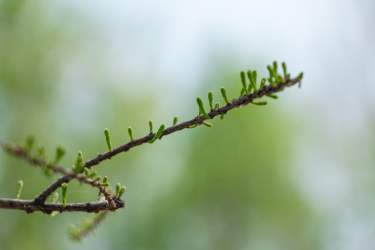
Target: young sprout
pixel 19 189
pixel 105 179
pixel 79 164
pixel 175 120
pixel 244 85
pixel 158 134
pixel 222 116
pixel 122 191
pixel 284 69
pixel 217 105
pixel 300 76
pixel 194 126
pixel 259 103
pixel 60 151
pixel 207 124
pixel 97 179
pixel 106 184
pixel 130 131
pixel 224 93
pixel 262 83
pixel 253 83
pixel 108 139
pixel 150 124
pixel 210 99
pixel 64 188
pixel 273 96
pixel 201 107
pixel 275 66
pixel 118 187
pixel 29 142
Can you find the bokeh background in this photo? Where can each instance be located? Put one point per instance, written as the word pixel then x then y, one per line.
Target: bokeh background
pixel 295 174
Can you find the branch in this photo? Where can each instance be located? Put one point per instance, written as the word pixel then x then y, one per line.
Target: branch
pixel 69 174
pixel 31 206
pixel 89 225
pixel 239 102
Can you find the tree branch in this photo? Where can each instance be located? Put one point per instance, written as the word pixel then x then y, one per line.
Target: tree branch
pixel 239 102
pixel 31 206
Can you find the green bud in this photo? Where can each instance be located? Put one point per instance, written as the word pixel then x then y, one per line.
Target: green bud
pixel 122 191
pixel 175 120
pixel 275 66
pixel 210 99
pixel 42 152
pixel 222 116
pixel 224 93
pixel 118 187
pixel 158 134
pixel 87 172
pixel 108 139
pixel 243 80
pixel 93 174
pixel 130 131
pixel 217 105
pixel 97 179
pixel 150 124
pixel 207 124
pixel 262 83
pixel 194 126
pixel 284 69
pixel 271 70
pixel 105 179
pixel 29 142
pixel 234 98
pixel 259 103
pixel 242 92
pixel 300 76
pixel 60 151
pixel 273 96
pixel 55 197
pixel 201 107
pixel 19 189
pixel 273 84
pixel 106 184
pixel 64 188
pixel 250 75
pixel 79 164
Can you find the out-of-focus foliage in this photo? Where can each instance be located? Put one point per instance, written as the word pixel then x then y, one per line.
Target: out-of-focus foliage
pixel 232 190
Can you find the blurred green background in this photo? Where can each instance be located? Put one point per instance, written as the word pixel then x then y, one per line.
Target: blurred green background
pixel 295 174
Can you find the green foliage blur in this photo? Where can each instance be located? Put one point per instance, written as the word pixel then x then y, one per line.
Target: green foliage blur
pixel 225 187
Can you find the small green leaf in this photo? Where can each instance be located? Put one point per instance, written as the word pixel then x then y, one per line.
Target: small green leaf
pixel 42 152
pixel 64 188
pixel 79 164
pixel 130 131
pixel 275 66
pixel 273 96
pixel 118 187
pixel 87 172
pixel 234 98
pixel 210 99
pixel 150 124
pixel 224 94
pixel 222 116
pixel 217 105
pixel 250 75
pixel 108 139
pixel 207 124
pixel 105 179
pixel 259 103
pixel 29 142
pixel 201 107
pixel 262 83
pixel 243 80
pixel 97 179
pixel 60 151
pixel 158 134
pixel 55 197
pixel 284 69
pixel 194 126
pixel 93 174
pixel 242 92
pixel 106 184
pixel 122 191
pixel 300 76
pixel 175 120
pixel 19 189
pixel 273 84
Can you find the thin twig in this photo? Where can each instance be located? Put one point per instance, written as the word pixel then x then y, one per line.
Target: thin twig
pixel 239 102
pixel 79 233
pixel 21 153
pixel 30 206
